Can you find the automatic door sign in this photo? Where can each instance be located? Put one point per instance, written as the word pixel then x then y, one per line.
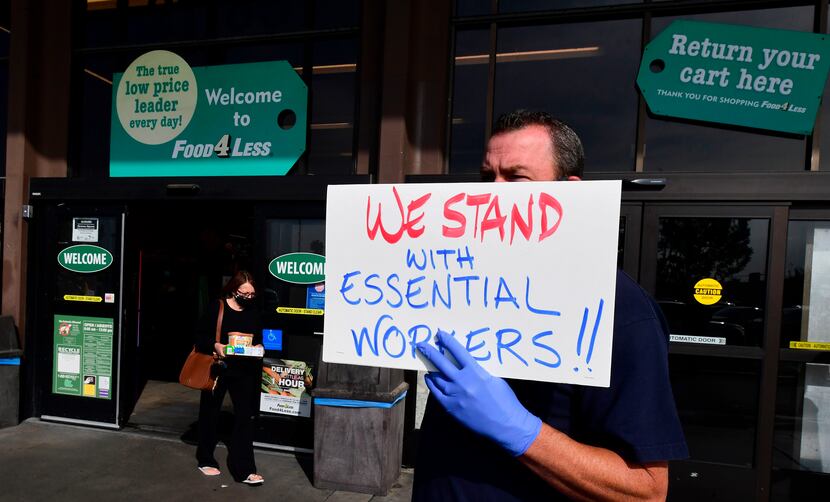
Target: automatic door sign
pixel 708 291
pixel 169 119
pixel 739 75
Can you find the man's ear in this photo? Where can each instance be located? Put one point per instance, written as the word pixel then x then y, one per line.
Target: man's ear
pixel 568 178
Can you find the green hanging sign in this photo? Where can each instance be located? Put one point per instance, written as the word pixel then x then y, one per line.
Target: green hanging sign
pixel 85 258
pixel 169 119
pixel 299 268
pixel 740 75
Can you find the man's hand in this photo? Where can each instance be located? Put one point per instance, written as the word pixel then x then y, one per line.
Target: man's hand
pixel 483 403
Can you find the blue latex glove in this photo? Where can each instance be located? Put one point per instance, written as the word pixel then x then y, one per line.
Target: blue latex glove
pixel 483 403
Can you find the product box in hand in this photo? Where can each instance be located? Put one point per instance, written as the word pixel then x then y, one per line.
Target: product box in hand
pixel 240 344
pixel 240 350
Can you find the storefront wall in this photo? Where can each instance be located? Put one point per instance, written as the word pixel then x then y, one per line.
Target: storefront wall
pixel 408 91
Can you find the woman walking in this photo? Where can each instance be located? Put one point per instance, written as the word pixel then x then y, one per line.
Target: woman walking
pixel 235 316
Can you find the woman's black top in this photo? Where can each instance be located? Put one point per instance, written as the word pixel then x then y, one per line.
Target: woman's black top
pixel 243 321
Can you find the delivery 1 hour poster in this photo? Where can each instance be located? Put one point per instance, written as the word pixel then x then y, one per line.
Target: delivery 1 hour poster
pixel 285 386
pixel 82 363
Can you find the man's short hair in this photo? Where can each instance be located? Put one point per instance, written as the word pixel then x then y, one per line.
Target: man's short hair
pixel 566 145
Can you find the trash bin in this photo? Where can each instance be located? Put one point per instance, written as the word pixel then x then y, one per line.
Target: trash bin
pixel 9 373
pixel 358 428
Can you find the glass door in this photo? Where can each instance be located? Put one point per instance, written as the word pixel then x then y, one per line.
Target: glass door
pixel 801 444
pixel 708 267
pixel 291 242
pixel 78 265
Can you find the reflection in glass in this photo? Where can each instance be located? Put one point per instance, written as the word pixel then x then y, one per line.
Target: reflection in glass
pixel 577 72
pixel 733 252
pixel 538 5
pixel 333 87
pixel 159 22
pixel 801 443
pixel 717 400
pixel 471 8
pixel 469 102
pixel 806 312
pixel 673 145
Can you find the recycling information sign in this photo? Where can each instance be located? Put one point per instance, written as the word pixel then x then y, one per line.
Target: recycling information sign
pixel 169 119
pixel 739 75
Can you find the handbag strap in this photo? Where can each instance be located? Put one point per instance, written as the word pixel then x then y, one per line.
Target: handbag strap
pixel 219 319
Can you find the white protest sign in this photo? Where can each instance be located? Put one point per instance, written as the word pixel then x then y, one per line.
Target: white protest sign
pixel 523 275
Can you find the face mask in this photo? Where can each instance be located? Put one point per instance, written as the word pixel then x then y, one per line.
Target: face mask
pixel 242 301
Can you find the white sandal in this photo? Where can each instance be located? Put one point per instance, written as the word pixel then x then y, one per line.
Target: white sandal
pixel 251 480
pixel 206 470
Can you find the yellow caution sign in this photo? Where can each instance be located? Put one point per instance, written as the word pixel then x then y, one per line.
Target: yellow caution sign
pixel 810 345
pixel 708 291
pixel 294 310
pixel 81 298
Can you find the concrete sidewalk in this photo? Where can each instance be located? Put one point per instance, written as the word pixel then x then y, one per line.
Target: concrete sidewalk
pixel 49 462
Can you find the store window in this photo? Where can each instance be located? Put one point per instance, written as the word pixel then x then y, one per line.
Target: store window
pixel 824 130
pixel 712 279
pixel 333 87
pixel 675 145
pixel 717 401
pixel 469 104
pixel 145 22
pixel 802 432
pixel 577 72
pixel 466 8
pixel 806 313
pixel 506 6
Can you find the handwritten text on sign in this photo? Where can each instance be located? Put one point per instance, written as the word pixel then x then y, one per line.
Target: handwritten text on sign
pixel 522 274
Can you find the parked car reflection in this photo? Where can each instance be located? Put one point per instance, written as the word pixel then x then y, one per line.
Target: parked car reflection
pixel 736 324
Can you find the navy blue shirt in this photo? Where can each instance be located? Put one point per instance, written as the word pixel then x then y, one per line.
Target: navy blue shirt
pixel 634 417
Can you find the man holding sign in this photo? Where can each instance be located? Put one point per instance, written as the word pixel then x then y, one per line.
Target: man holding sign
pixel 485 438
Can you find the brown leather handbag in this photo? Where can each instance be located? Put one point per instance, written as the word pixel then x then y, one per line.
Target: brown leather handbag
pixel 197 372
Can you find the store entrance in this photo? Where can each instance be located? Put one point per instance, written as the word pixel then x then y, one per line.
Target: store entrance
pixel 184 252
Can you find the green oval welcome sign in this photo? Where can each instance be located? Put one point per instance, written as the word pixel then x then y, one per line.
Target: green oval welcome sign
pixel 84 258
pixel 299 268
